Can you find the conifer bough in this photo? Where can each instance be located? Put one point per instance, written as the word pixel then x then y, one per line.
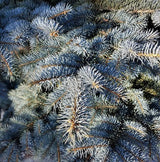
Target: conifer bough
pixel 80 81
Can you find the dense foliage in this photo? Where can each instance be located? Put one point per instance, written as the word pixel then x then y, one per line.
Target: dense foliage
pixel 80 80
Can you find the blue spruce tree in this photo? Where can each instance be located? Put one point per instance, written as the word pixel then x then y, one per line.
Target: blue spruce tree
pixel 80 81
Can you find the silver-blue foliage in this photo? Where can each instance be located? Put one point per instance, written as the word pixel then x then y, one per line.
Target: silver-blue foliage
pixel 80 83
